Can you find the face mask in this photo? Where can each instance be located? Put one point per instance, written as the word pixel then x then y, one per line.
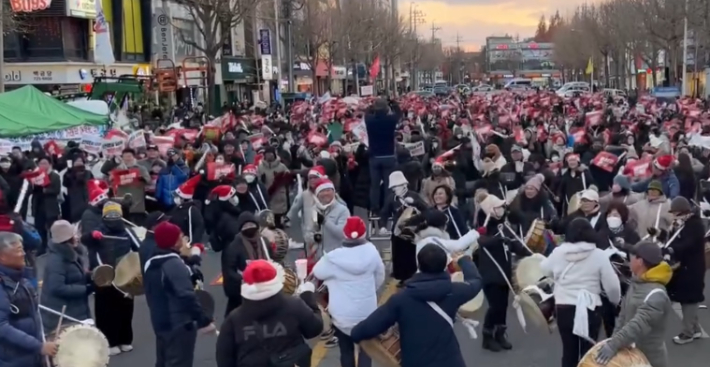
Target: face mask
pixel 499 212
pixel 459 136
pixel 177 200
pixel 400 190
pixel 436 169
pixel 555 159
pixel 5 165
pixel 234 200
pixel 249 178
pixel 613 222
pixel 322 206
pixel 219 161
pixel 249 232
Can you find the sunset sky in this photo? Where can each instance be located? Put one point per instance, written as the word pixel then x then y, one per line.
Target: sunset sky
pixel 475 20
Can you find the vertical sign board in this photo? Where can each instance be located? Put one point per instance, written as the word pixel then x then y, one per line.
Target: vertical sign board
pixel 265 41
pixel 163 34
pixel 267 71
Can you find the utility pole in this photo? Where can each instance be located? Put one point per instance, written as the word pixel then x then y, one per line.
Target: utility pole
pixel 289 45
pixel 434 29
pixel 459 58
pixel 416 17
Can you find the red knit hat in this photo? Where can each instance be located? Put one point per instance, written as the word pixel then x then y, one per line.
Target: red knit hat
pixel 317 171
pixel 187 189
pixel 261 279
pixel 249 169
pixel 354 228
pixel 664 162
pixel 166 235
pixel 98 191
pixel 323 184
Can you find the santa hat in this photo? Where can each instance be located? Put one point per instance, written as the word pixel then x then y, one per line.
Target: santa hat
pixel 317 171
pixel 187 189
pixel 222 193
pixel 323 184
pixel 249 169
pixel 262 279
pixel 491 202
pixel 98 191
pixel 664 162
pixel 354 228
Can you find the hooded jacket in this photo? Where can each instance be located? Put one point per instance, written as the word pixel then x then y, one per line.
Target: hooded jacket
pixel 20 333
pixel 353 275
pixel 65 284
pixel 644 315
pixel 645 212
pixel 581 267
pixel 170 293
pixel 427 339
pixel 236 255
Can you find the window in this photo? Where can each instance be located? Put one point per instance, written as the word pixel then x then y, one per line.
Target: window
pixel 44 41
pixel 76 38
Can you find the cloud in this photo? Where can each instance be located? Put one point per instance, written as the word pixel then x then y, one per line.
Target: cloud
pixel 474 20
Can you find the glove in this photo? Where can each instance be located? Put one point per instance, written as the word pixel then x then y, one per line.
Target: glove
pixel 482 231
pixel 653 232
pixel 97 235
pixel 306 287
pixel 604 355
pixel 321 219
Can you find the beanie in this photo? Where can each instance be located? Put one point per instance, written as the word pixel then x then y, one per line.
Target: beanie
pixel 112 210
pixel 167 235
pixel 262 279
pixel 655 185
pixel 536 181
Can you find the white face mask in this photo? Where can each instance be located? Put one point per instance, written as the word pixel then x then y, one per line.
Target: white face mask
pixel 249 178
pixel 400 190
pixel 322 206
pixel 177 200
pixel 5 164
pixel 234 200
pixel 220 161
pixel 555 159
pixel 613 222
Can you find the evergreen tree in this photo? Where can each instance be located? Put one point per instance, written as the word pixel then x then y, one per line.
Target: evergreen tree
pixel 541 32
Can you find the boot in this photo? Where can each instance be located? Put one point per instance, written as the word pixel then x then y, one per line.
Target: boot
pixel 500 337
pixel 489 341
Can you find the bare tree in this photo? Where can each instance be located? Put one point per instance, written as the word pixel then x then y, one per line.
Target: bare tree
pixel 213 19
pixel 311 33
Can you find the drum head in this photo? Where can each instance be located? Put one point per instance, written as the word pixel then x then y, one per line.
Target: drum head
pixel 386 353
pixel 103 275
pixel 128 269
pixel 206 301
pixel 532 310
pixel 82 346
pixel 627 357
pixel 471 306
pixel 528 272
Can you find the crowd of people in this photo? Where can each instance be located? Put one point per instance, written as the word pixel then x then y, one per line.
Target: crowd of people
pixel 455 182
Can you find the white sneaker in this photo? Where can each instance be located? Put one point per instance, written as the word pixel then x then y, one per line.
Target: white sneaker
pixel 114 351
pixel 126 348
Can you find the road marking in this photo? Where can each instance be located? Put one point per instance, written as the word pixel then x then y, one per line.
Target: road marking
pixel 677 310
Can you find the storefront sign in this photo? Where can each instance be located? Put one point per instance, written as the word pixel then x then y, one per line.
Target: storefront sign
pixel 81 9
pixel 28 6
pixel 60 73
pixel 95 72
pixel 165 37
pixel 238 69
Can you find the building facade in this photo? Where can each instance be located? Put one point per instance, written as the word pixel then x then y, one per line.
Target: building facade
pixel 52 48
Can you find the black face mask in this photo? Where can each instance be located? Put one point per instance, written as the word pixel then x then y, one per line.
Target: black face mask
pixel 250 232
pixel 114 224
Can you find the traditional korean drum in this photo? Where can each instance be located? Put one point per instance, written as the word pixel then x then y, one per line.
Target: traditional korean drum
pixel 538 304
pixel 528 271
pixel 81 346
pixel 385 349
pixel 129 278
pixel 103 275
pixel 290 281
pixel 467 309
pixel 626 357
pixel 535 238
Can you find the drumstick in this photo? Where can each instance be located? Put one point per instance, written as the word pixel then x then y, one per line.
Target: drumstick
pixel 129 222
pixel 45 308
pixel 59 324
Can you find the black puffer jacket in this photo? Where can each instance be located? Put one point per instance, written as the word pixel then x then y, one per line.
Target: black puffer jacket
pixel 260 330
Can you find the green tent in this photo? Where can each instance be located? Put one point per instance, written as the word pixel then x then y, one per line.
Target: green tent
pixel 27 111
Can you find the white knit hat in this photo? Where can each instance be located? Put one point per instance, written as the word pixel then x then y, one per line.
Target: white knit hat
pixel 491 202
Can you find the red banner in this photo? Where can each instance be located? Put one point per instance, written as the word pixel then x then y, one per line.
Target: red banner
pixel 217 171
pixel 125 177
pixel 38 178
pixel 606 161
pixel 638 169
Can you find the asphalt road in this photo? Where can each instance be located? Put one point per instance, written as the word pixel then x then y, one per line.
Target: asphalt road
pixel 536 348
